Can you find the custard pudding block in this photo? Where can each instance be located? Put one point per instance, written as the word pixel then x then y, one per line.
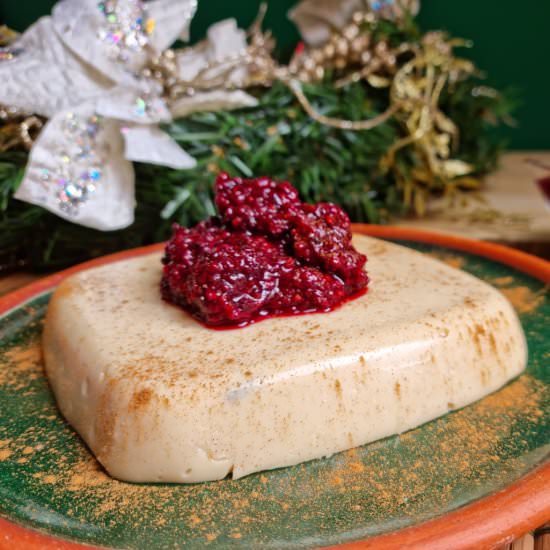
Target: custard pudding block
pixel 159 397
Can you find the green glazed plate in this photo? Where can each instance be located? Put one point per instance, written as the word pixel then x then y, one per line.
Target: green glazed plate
pixel 50 482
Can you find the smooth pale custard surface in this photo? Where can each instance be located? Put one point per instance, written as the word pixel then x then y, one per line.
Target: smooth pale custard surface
pixel 159 397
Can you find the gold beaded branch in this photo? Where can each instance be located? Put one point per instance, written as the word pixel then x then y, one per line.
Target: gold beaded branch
pixel 414 74
pixel 16 127
pixel 349 48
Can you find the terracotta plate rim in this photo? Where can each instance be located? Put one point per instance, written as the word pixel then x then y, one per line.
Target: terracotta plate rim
pixel 489 522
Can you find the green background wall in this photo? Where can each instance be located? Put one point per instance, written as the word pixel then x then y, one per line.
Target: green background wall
pixel 512 43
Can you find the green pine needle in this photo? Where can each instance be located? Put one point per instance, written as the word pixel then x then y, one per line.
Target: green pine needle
pixel 275 138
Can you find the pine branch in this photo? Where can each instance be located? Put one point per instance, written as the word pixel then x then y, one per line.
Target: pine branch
pixel 275 138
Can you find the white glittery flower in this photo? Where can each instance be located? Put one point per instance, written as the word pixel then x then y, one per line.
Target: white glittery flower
pixel 80 69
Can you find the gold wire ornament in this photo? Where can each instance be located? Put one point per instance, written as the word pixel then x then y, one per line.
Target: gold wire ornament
pixel 17 128
pixel 415 75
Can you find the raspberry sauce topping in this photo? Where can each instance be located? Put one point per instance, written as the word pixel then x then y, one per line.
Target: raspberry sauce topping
pixel 267 254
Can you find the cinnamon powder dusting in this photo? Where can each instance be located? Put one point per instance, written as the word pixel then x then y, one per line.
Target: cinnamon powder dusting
pixel 140 399
pixel 393 477
pixel 5 454
pixel 524 299
pixel 430 468
pixel 26 358
pixel 451 260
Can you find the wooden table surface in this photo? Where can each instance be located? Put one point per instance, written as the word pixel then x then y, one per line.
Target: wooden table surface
pixel 512 210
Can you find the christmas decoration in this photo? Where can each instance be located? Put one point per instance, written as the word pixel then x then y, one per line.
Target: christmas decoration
pixel 369 113
pixel 80 68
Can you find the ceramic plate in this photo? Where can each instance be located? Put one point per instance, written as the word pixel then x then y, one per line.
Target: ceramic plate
pixel 475 477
